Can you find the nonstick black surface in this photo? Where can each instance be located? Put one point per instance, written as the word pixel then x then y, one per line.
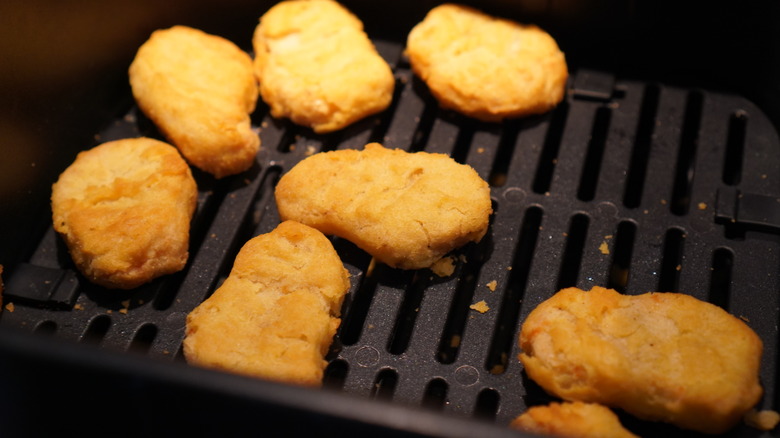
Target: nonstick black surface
pixel 636 185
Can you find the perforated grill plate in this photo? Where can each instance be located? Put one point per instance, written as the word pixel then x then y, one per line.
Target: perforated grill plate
pixel 629 185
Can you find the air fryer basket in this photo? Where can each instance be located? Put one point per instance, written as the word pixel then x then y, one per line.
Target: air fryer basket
pixel 634 183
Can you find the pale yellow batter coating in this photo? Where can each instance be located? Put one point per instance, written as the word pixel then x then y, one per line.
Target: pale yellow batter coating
pixel 199 90
pixel 407 210
pixel 486 67
pixel 275 315
pixel 124 208
pixel 572 420
pixel 317 67
pixel 659 356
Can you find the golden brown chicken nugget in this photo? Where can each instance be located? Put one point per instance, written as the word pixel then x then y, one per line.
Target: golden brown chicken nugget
pixel 317 67
pixel 124 208
pixel 486 67
pixel 406 209
pixel 572 420
pixel 275 315
pixel 659 356
pixel 199 90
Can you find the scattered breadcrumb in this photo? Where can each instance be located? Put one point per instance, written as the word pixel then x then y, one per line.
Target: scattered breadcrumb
pixel 78 306
pixel 604 248
pixel 123 311
pixel 500 367
pixel 678 267
pixel 444 267
pixel 10 307
pixel 480 306
pixel 663 201
pixel 310 150
pixel 609 236
pixel 480 150
pixel 762 420
pixel 492 285
pixel 702 206
pixel 455 341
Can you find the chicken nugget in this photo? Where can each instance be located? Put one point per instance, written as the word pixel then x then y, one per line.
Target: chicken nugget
pixel 406 209
pixel 275 315
pixel 317 67
pixel 199 90
pixel 659 356
pixel 485 67
pixel 123 209
pixel 572 420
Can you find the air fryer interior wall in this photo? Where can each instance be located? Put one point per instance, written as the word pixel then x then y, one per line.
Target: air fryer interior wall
pixel 656 173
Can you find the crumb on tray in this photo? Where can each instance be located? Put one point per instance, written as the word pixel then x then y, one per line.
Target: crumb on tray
pixel 480 306
pixel 762 420
pixel 444 267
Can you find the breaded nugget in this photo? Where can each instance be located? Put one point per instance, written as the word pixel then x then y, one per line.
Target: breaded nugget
pixel 486 67
pixel 659 356
pixel 317 67
pixel 124 210
pixel 406 209
pixel 199 90
pixel 572 420
pixel 275 315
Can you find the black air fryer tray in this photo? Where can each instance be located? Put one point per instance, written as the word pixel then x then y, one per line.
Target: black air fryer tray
pixel 633 185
